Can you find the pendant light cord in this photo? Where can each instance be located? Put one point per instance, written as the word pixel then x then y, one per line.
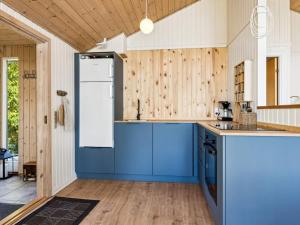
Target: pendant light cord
pixel 146 8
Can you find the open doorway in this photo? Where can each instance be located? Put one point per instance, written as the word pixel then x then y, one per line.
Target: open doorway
pixel 10 106
pixel 272 81
pixel 18 156
pixel 43 104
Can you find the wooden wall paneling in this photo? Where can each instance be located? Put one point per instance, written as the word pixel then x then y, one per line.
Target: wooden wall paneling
pixel 21 108
pixel 220 71
pixel 44 157
pixel 1 90
pixel 164 85
pixel 128 84
pixel 209 82
pixel 175 84
pixel 26 106
pixel 199 96
pixel 180 78
pixel 32 105
pixel 157 95
pixel 147 79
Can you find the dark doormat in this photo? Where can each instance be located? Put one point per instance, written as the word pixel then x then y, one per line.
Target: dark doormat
pixel 7 209
pixel 60 211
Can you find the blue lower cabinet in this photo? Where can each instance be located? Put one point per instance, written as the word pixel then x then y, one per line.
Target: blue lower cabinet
pixel 96 160
pixel 173 149
pixel 133 148
pixel 262 180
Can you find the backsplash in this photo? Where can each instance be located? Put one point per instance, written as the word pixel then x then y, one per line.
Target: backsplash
pixel 290 117
pixel 179 84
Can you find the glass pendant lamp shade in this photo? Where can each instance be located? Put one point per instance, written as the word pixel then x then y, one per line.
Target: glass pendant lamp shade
pixel 146 26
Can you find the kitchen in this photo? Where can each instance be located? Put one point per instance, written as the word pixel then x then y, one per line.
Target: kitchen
pixel 193 118
pixel 168 132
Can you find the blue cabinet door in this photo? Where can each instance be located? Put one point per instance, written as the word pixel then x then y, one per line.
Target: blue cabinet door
pixel 173 149
pixel 133 145
pixel 201 140
pixel 95 160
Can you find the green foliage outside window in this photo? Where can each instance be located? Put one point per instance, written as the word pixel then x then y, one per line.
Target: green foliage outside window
pixel 13 106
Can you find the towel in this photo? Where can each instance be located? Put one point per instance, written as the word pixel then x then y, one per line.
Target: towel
pixel 67 114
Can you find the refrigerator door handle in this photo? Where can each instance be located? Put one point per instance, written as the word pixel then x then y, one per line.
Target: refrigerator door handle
pixel 111 70
pixel 111 93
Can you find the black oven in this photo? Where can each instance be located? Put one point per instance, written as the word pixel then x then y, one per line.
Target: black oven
pixel 211 153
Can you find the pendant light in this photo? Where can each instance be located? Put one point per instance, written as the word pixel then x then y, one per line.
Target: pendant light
pixel 146 24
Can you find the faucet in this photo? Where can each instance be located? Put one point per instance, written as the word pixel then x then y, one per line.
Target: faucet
pixel 138 116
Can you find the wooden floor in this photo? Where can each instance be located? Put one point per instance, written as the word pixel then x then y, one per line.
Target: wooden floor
pixel 15 191
pixel 141 203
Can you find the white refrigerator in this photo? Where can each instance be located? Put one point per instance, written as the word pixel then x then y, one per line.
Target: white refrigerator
pixel 96 102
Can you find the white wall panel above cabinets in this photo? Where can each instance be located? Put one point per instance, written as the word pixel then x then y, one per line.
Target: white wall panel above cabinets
pixel 279 42
pixel 239 12
pixel 295 54
pixel 243 46
pixel 116 44
pixel 201 25
pixel 280 33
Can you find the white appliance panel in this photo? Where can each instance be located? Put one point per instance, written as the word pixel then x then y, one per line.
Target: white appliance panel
pixel 96 114
pixel 96 69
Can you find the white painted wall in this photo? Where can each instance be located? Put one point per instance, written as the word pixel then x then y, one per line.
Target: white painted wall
pixel 284 41
pixel 295 54
pixel 201 25
pixel 239 12
pixel 62 73
pixel 279 43
pixel 116 44
pixel 243 46
pixel 289 117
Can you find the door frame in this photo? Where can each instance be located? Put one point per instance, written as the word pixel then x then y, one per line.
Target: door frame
pixel 43 63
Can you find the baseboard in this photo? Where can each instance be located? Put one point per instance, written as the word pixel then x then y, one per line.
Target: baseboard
pixel 194 180
pixel 58 189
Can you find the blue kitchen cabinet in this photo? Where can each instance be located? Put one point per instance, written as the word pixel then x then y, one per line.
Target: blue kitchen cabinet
pixel 95 160
pixel 201 163
pixel 173 149
pixel 262 180
pixel 133 148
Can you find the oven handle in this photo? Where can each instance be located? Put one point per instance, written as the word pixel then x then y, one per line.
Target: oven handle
pixel 211 150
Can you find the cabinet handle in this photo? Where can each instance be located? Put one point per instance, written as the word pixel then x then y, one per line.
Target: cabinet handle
pixel 111 93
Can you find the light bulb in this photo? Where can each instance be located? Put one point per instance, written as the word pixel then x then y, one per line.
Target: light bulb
pixel 146 26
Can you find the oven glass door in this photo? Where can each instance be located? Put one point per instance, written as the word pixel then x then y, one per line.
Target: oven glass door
pixel 211 170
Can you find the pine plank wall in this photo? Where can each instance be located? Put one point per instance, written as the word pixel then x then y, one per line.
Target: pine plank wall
pixel 177 84
pixel 26 55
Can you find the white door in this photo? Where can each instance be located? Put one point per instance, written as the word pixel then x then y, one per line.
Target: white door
pixel 96 114
pixel 98 69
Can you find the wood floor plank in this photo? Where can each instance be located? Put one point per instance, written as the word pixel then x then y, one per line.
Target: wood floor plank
pixel 141 203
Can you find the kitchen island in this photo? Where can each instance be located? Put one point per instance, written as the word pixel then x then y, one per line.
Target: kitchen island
pixel 248 177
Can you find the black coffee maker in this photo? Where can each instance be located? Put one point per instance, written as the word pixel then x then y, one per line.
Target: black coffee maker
pixel 225 112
